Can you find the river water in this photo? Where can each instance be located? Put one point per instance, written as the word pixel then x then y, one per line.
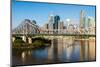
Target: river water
pixel 61 51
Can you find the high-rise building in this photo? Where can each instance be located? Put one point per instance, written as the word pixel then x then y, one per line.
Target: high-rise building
pixel 68 22
pixel 45 27
pixel 50 23
pixel 82 24
pixel 56 20
pixel 51 18
pixel 91 25
pixel 70 29
pixel 91 22
pixel 60 27
pixel 55 25
pixel 82 19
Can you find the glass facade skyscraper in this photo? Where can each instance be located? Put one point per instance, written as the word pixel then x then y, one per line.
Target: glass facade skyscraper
pixel 68 22
pixel 51 22
pixel 56 20
pixel 91 25
pixel 82 19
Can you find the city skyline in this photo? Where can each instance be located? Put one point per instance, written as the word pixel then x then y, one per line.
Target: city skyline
pixel 31 10
pixel 52 33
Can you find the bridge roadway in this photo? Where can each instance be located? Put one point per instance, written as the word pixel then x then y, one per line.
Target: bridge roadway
pixel 88 35
pixel 53 36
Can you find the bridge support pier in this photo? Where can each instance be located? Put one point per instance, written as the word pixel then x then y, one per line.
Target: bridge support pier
pixel 29 40
pixel 13 39
pixel 24 38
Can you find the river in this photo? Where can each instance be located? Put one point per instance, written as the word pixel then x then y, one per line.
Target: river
pixel 61 51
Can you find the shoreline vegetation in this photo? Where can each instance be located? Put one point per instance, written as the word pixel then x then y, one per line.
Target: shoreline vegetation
pixel 38 42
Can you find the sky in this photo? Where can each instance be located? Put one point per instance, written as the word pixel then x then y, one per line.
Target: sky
pixel 40 11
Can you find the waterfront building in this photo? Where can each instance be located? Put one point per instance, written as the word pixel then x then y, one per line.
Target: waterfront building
pixel 91 25
pixel 82 19
pixel 50 23
pixel 82 22
pixel 56 20
pixel 68 25
pixel 46 28
pixel 60 27
pixel 68 22
pixel 55 26
pixel 70 29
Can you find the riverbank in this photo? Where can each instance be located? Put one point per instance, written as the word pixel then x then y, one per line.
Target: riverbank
pixel 36 43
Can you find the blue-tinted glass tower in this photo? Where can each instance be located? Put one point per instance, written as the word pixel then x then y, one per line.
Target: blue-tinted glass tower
pixel 56 20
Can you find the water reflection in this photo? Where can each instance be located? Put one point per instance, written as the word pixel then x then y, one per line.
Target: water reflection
pixel 84 50
pixel 61 50
pixel 92 48
pixel 23 56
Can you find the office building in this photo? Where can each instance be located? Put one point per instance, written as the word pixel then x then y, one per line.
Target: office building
pixel 61 27
pixel 56 20
pixel 82 19
pixel 50 23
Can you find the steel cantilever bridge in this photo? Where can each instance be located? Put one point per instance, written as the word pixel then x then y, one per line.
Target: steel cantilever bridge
pixel 26 27
pixel 29 28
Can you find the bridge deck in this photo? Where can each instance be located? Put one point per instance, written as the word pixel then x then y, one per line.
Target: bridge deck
pixel 54 35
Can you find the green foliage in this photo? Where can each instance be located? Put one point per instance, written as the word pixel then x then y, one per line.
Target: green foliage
pixel 18 41
pixel 41 39
pixel 38 43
